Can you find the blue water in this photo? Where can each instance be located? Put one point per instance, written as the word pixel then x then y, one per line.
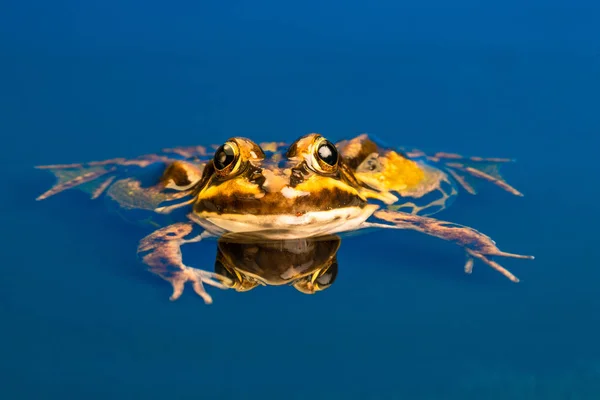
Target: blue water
pixel 93 80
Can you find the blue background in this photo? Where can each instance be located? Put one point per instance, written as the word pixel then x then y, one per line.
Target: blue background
pixel 93 80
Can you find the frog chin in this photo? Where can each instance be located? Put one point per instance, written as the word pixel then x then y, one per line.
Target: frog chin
pixel 286 226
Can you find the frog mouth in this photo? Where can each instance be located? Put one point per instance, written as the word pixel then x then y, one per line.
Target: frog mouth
pixel 286 226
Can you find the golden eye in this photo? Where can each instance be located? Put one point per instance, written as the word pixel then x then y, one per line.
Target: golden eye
pixel 226 158
pixel 326 154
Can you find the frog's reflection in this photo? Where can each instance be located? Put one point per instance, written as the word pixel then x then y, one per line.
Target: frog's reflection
pixel 309 264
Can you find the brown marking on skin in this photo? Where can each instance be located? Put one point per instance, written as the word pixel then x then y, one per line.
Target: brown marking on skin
pixel 292 150
pixel 256 177
pixel 81 179
pixel 276 203
pixel 180 175
pixel 476 244
pixel 207 174
pixel 163 258
pixel 356 150
pixel 297 175
pixel 177 174
pixel 347 175
pixel 238 186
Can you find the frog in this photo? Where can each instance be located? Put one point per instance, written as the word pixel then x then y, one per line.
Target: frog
pixel 270 191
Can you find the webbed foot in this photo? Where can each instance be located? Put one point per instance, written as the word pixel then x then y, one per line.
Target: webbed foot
pixel 467 169
pixel 476 244
pixel 161 252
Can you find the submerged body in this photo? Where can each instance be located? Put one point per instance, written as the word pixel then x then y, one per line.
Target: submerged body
pixel 272 191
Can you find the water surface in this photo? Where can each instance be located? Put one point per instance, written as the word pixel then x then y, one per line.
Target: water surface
pixel 83 82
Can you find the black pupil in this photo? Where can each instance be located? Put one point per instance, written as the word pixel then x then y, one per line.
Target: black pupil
pixel 224 156
pixel 328 153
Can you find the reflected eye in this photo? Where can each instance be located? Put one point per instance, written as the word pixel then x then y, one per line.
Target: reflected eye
pixel 328 277
pixel 323 280
pixel 224 157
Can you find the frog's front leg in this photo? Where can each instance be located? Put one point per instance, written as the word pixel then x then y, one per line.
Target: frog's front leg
pixel 161 252
pixel 476 244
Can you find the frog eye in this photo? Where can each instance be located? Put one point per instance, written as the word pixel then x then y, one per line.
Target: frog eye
pixel 326 155
pixel 226 158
